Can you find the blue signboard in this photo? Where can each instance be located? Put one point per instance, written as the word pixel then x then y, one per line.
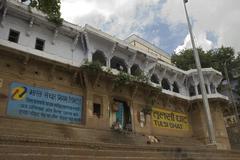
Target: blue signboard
pixel 43 104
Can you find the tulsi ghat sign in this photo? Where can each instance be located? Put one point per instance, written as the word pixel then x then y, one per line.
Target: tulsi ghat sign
pixel 169 120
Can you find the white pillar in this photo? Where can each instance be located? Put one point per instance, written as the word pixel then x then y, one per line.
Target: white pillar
pixel 109 62
pixel 209 89
pixel 196 89
pixel 128 69
pixel 171 86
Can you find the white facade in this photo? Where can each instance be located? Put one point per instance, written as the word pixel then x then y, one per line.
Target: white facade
pixel 73 45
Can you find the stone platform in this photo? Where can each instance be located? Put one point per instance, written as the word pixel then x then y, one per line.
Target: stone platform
pixel 29 140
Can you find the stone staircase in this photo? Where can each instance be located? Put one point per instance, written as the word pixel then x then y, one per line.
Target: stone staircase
pixel 27 140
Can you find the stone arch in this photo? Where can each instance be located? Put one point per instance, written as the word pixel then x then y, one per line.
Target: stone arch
pixel 155 79
pixel 165 84
pixel 135 70
pixel 119 64
pixel 99 57
pixel 191 90
pixel 175 87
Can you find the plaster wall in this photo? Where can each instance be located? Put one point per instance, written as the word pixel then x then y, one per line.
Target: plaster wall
pixel 62 46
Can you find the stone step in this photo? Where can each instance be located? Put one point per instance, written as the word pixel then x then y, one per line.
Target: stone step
pixel 74 157
pixel 60 157
pixel 24 127
pixel 21 139
pixel 98 137
pixel 8 139
pixel 15 149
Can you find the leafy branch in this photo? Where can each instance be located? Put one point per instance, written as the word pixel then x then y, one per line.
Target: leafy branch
pixel 122 79
pixel 92 67
pixel 49 7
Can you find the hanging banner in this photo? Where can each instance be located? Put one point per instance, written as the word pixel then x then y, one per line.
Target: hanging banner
pixel 169 120
pixel 43 104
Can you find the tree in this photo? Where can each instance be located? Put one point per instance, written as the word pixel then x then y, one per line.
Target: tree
pixel 214 58
pixel 49 7
pixel 221 56
pixel 185 59
pixel 236 66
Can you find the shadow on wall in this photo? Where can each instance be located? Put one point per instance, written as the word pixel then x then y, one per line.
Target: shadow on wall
pixel 234 136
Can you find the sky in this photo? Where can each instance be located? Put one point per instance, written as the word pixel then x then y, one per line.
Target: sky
pixel 215 23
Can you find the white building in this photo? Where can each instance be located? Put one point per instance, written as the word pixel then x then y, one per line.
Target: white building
pixel 78 44
pixel 60 51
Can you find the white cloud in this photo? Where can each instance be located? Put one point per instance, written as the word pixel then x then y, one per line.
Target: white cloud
pixel 217 16
pixel 186 44
pixel 124 17
pixel 200 41
pixel 120 18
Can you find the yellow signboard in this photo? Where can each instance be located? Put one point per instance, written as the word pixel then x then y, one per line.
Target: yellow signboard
pixel 169 120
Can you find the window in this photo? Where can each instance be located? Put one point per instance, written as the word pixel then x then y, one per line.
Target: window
pixel 39 44
pixel 97 109
pixel 119 64
pixel 165 84
pixel 98 57
pixel 154 79
pixel 175 87
pixel 13 36
pixel 199 89
pixel 192 91
pixel 136 71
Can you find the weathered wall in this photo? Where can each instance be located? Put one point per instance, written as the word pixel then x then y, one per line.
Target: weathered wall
pixel 36 74
pixel 199 124
pixel 99 88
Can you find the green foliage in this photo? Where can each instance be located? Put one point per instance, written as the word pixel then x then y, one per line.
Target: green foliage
pixel 140 77
pixel 213 58
pixel 122 79
pixel 126 79
pixel 92 67
pixel 238 87
pixel 49 7
pixel 219 56
pixel 185 60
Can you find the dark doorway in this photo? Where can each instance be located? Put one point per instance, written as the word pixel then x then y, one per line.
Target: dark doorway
pixel 123 115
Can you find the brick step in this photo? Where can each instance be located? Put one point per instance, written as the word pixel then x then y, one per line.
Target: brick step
pixel 15 149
